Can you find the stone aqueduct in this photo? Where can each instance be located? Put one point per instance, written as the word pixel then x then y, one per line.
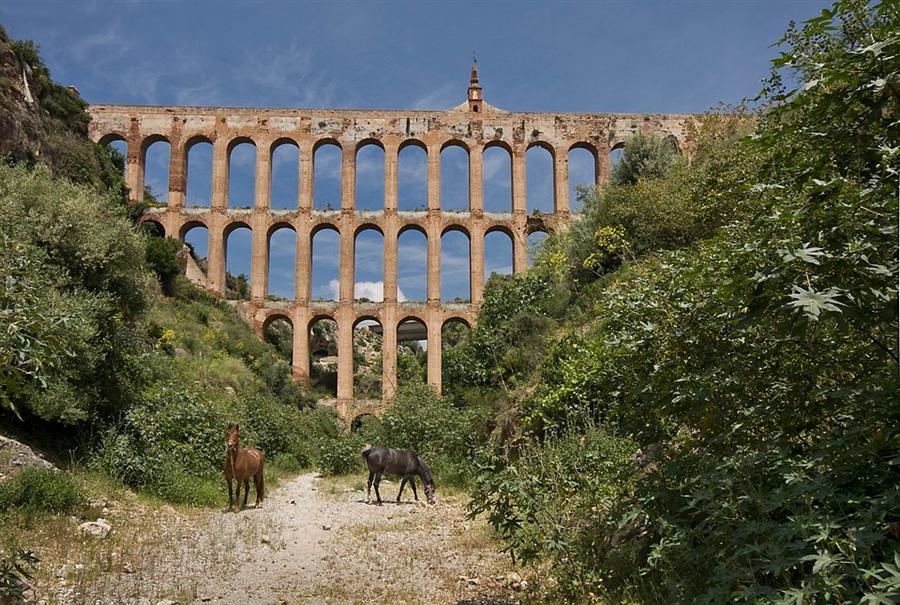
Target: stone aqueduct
pixel 474 126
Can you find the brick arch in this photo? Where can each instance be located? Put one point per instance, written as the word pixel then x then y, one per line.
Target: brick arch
pixel 325 141
pixel 189 225
pixel 276 315
pixel 457 226
pixel 147 141
pixel 412 143
pixel 234 224
pixel 111 137
pixel 151 218
pixel 278 225
pixel 369 225
pixel 455 142
pixel 458 318
pixel 541 144
pixel 498 143
pixel 369 142
pixel 279 141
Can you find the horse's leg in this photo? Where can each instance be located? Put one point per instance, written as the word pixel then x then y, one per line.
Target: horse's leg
pixel 258 482
pixel 246 491
pixel 402 485
pixel 230 494
pixel 412 481
pixel 377 481
pixel 369 490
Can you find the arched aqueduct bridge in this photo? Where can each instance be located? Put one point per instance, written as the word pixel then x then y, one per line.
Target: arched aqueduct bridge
pixel 474 127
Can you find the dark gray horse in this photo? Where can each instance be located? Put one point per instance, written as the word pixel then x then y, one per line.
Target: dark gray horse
pixel 403 463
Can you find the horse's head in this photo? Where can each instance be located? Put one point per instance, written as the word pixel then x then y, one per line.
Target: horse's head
pixel 427 481
pixel 232 437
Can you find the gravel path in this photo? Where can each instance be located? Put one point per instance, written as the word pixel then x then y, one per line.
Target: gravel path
pixel 318 541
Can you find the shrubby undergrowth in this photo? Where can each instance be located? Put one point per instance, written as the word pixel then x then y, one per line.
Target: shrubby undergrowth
pixel 743 349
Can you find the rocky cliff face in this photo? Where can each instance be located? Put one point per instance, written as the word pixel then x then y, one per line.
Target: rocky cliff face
pixel 44 122
pixel 21 125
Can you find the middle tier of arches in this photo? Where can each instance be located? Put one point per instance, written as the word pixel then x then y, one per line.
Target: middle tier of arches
pixel 300 244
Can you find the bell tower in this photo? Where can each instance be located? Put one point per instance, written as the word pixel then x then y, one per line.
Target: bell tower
pixel 475 100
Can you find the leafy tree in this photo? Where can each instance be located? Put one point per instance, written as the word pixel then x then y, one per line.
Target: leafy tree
pixel 162 259
pixel 30 341
pixel 91 270
pixel 644 156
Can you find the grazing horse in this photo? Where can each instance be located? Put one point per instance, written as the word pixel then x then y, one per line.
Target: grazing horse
pixel 404 463
pixel 240 465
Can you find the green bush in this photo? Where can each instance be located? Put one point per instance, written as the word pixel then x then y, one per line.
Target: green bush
pixel 561 501
pixel 341 456
pixel 37 488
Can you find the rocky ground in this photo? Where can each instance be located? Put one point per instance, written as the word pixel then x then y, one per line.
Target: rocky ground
pixel 317 541
pixel 314 541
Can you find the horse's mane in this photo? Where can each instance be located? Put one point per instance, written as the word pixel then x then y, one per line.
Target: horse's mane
pixel 426 472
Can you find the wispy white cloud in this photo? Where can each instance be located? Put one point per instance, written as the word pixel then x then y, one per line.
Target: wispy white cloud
pixel 444 97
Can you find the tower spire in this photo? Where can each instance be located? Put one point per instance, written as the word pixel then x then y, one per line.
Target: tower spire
pixel 475 100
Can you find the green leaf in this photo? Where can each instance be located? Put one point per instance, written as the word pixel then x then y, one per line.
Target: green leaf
pixel 813 303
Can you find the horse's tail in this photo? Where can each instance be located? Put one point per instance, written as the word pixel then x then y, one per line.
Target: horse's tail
pixel 366 451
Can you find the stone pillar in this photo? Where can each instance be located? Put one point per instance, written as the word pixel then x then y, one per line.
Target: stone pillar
pixel 175 199
pixel 433 237
pixel 476 231
pixel 391 184
pixel 259 259
pixel 259 256
pixel 305 179
pixel 434 177
pixel 263 193
pixel 433 324
pixel 432 223
pixel 346 261
pixel 215 271
pixel 476 261
pixel 476 181
pixel 560 181
pixel 389 351
pixel 344 319
pixel 602 165
pixel 348 178
pixel 219 200
pixel 300 362
pixel 519 200
pixel 520 211
pixel 215 276
pixel 391 260
pixel 134 162
pixel 303 260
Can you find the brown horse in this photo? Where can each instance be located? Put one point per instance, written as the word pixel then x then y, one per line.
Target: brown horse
pixel 240 465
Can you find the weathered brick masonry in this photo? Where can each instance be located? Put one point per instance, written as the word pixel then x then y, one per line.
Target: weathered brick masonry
pixel 474 126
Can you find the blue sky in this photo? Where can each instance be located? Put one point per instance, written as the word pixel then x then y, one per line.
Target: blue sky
pixel 624 56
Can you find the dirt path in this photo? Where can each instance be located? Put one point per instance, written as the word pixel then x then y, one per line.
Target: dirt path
pixel 317 541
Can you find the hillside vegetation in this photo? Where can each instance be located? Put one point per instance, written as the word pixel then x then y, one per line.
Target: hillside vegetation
pixel 691 397
pixel 702 375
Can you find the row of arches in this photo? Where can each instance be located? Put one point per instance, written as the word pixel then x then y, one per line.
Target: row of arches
pixel 285 175
pixel 381 362
pixel 427 205
pixel 323 273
